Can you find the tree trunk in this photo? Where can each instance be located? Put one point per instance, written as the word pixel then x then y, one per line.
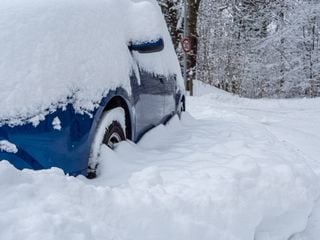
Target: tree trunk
pixel 193 8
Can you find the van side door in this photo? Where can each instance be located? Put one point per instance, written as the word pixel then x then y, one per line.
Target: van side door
pixel 148 94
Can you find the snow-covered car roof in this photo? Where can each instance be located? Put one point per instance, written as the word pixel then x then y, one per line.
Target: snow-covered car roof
pixel 54 50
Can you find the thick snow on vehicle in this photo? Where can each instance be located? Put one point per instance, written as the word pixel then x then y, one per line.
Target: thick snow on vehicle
pixel 76 74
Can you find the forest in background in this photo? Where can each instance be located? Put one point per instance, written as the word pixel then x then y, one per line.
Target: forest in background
pixel 253 48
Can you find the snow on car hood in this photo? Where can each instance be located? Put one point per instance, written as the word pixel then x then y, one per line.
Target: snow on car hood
pixel 54 50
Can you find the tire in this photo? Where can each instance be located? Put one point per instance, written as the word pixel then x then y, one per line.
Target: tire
pixel 181 108
pixel 113 135
pixel 110 131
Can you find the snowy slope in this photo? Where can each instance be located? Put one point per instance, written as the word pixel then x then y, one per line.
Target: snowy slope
pixel 232 169
pixel 59 51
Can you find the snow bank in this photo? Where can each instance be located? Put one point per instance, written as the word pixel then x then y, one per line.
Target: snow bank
pixel 237 169
pixel 59 51
pixel 225 175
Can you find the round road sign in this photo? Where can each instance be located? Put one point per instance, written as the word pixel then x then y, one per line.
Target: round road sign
pixel 186 44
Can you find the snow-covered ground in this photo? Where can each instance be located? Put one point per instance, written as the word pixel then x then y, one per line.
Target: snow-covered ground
pixel 231 169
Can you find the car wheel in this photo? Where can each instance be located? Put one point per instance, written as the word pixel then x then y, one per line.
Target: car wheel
pixel 181 109
pixel 110 131
pixel 113 134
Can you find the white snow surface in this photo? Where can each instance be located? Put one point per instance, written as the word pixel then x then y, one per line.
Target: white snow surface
pixel 59 51
pixel 6 146
pixel 231 169
pixel 56 124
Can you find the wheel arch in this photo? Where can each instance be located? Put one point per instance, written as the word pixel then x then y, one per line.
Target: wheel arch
pixel 118 101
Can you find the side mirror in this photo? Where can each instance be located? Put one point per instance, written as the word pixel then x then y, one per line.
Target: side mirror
pixel 147 47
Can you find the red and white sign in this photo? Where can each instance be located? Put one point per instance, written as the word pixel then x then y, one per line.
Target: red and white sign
pixel 186 45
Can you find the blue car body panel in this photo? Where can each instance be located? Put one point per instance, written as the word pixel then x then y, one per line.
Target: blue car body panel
pixel 152 101
pixel 43 147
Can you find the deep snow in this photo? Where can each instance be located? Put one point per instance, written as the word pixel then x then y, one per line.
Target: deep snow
pixel 231 169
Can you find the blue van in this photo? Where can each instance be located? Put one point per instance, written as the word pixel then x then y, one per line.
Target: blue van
pixel 64 136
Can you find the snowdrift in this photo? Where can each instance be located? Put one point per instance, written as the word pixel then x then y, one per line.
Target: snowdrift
pixel 231 171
